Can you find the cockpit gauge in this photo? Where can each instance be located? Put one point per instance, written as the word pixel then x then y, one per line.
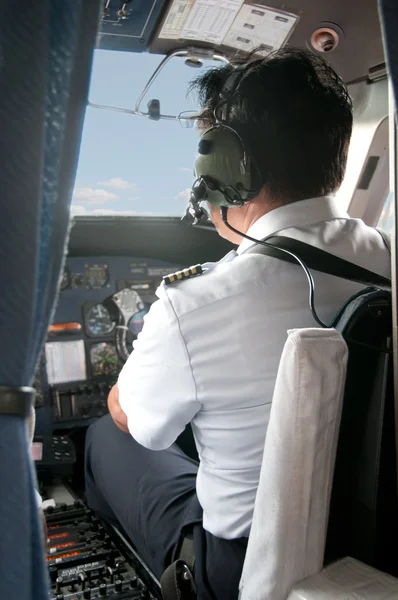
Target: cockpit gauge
pixel 97 276
pixel 98 320
pixel 104 359
pixel 65 279
pixel 128 304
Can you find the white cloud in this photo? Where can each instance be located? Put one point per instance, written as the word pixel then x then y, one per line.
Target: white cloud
pixel 77 210
pixel 117 183
pixel 134 198
pixel 184 195
pixel 88 195
pixel 186 169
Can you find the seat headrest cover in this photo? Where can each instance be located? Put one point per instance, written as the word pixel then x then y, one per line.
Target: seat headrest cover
pixel 345 580
pixel 288 532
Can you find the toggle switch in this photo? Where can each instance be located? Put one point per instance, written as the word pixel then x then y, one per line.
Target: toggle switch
pixel 58 585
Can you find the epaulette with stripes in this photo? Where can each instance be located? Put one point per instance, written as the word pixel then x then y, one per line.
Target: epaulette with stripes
pixel 184 274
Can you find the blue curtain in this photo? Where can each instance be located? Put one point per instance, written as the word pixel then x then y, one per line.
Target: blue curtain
pixel 45 60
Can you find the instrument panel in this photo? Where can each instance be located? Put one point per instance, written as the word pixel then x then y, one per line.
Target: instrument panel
pixel 101 310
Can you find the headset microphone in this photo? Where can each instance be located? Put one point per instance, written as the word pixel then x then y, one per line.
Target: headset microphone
pixel 195 212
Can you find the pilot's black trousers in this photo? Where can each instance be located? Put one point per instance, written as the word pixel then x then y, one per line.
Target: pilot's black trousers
pixel 152 496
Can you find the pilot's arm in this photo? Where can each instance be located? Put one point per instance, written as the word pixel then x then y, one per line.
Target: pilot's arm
pixel 155 396
pixel 118 415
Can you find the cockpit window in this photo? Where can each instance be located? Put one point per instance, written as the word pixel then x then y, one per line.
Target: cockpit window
pixel 386 221
pixel 130 164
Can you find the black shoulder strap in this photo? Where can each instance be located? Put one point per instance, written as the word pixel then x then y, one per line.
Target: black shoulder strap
pixel 319 260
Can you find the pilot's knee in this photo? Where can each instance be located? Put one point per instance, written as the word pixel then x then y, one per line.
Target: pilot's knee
pixel 97 433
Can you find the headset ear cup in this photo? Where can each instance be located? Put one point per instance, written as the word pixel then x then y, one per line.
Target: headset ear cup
pixel 222 164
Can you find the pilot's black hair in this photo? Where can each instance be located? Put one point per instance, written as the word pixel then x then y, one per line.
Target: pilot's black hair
pixel 294 114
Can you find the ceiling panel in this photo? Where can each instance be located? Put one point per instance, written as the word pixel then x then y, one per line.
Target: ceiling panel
pixel 359 49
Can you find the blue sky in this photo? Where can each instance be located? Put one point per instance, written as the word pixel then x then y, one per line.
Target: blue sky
pixel 129 164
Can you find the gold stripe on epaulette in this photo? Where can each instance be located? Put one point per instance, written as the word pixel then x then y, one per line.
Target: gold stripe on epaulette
pixel 184 274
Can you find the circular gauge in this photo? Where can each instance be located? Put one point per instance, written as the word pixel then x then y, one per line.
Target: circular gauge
pixel 97 276
pixel 65 280
pixel 136 322
pixel 104 359
pixel 98 320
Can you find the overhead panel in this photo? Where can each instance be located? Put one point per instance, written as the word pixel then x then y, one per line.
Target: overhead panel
pixel 354 47
pixel 231 27
pixel 128 25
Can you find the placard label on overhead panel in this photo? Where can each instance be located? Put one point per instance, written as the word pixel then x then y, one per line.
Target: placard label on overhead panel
pixel 202 20
pixel 210 20
pixel 65 361
pixel 230 23
pixel 175 19
pixel 258 25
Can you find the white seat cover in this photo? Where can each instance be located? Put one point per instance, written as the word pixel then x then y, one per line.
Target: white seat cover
pixel 347 579
pixel 289 526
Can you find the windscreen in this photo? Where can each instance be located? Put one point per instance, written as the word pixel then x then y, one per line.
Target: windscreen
pixel 131 165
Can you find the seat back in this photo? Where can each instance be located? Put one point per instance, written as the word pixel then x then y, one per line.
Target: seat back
pixel 363 513
pixel 287 538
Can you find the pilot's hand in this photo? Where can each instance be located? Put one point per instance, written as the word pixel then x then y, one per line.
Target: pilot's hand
pixel 117 414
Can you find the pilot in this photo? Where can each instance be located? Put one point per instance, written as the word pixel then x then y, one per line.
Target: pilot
pixel 209 351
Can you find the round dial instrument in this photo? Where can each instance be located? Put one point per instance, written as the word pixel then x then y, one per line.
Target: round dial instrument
pixel 98 320
pixel 104 359
pixel 97 276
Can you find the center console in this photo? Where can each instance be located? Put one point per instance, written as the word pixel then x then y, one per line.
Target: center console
pixel 89 559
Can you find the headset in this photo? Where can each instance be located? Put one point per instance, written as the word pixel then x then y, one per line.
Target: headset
pixel 227 175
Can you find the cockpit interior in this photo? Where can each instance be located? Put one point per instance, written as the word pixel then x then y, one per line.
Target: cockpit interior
pixel 114 193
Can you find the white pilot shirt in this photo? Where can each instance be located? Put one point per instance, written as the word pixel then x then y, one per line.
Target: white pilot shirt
pixel 210 348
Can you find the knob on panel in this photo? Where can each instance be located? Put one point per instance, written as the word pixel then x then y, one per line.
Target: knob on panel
pixel 102 589
pixel 58 584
